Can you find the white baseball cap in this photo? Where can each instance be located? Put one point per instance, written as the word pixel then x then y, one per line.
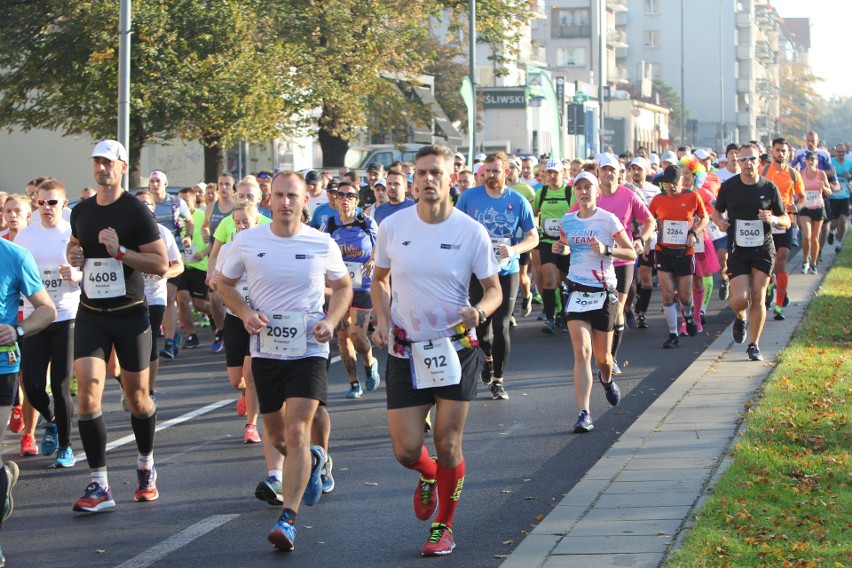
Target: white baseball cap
pixel 587 176
pixel 157 174
pixel 669 157
pixel 701 154
pixel 609 160
pixel 641 162
pixel 655 159
pixel 460 156
pixel 554 166
pixel 479 157
pixel 111 150
pixel 476 167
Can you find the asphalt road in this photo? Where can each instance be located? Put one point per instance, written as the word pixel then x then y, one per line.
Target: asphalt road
pixel 521 455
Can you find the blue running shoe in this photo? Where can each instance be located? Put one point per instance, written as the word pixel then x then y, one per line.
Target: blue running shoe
pixel 584 423
pixel 94 500
pixel 218 343
pixel 313 491
pixel 65 458
pixel 613 393
pixel 325 475
pixel 50 440
pixel 354 391
pixel 372 372
pixel 283 535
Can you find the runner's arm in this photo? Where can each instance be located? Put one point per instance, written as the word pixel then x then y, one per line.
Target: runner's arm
pixel 380 296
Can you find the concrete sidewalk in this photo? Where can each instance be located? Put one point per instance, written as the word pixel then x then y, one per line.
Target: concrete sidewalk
pixel 637 500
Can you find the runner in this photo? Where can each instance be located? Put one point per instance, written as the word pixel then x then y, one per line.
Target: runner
pixel 838 201
pixel 503 212
pixel 355 234
pixel 812 215
pixel 115 239
pixel 675 211
pixel 192 289
pixel 431 251
pixel 396 199
pixel 754 205
pixel 20 276
pixel 290 334
pixel 549 270
pixel 640 169
pixel 590 234
pixel 52 348
pixel 213 215
pixel 156 293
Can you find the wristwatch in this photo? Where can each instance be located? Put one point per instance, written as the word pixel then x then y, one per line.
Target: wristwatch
pixel 121 252
pixel 482 316
pixel 608 251
pixel 20 331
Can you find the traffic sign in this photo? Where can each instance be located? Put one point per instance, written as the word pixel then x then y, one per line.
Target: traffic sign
pixel 580 98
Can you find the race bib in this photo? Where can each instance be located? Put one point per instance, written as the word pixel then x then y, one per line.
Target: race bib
pixel 585 301
pixel 188 253
pixel 749 233
pixel 495 246
pixel 355 273
pixel 152 281
pixel 103 278
pixel 434 364
pixel 285 334
pixel 714 231
pixel 675 232
pixel 552 227
pixel 244 291
pixel 812 198
pixel 55 285
pixel 699 244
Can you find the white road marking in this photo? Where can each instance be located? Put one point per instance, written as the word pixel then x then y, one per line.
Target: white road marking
pixel 184 537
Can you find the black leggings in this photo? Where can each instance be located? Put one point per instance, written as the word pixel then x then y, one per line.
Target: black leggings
pixel 155 314
pixel 51 346
pixel 493 335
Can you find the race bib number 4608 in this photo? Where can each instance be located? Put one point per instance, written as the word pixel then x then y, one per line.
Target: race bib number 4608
pixel 103 278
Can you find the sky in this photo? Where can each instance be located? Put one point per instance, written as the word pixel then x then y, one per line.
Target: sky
pixel 829 28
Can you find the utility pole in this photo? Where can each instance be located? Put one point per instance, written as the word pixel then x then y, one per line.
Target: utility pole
pixel 124 78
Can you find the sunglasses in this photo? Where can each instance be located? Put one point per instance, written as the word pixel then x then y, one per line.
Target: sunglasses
pixel 346 195
pixel 748 159
pixel 263 175
pixel 50 202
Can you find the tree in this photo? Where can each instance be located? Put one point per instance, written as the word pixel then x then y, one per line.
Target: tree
pixel 670 99
pixel 837 118
pixel 801 103
pixel 192 76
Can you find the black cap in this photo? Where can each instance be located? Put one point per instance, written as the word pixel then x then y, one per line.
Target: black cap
pixel 312 177
pixel 730 147
pixel 375 167
pixel 809 154
pixel 765 158
pixel 670 175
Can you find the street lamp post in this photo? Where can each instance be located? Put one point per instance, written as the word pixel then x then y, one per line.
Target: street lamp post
pixel 124 77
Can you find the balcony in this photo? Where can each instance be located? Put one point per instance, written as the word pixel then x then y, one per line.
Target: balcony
pixel 616 5
pixel 764 53
pixel 571 32
pixel 616 38
pixel 743 119
pixel 767 89
pixel 763 122
pixel 616 74
pixel 744 86
pixel 744 20
pixel 745 52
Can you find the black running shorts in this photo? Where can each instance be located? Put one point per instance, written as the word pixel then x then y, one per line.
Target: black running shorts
pixel 129 331
pixel 278 380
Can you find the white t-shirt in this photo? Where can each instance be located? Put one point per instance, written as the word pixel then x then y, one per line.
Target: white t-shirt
pixel 431 266
pixel 48 248
pixel 155 286
pixel 725 174
pixel 314 202
pixel 588 266
pixel 286 275
pixel 242 285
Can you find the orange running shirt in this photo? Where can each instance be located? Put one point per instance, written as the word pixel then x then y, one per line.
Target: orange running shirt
pixel 673 214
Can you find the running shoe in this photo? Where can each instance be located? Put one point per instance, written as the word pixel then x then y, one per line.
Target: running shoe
pixel 512 321
pixel 641 321
pixel 691 326
pixel 242 410
pixel 205 321
pixel 549 327
pixel 542 316
pixel 630 319
pixel 94 500
pixel 16 421
pixel 497 391
pixel 786 301
pixel 440 541
pixel 616 370
pixel 169 351
pixel 372 372
pixel 682 329
pixel 250 435
pixel 50 440
pixel 191 341
pixel 28 446
pixel 770 293
pixel 739 330
pixel 526 306
pixel 218 343
pixel 831 234
pixel 702 319
pixel 672 342
pixel 271 490
pixel 724 289
pixel 699 324
pixel 536 299
pixel 779 314
pixel 753 352
pixel 65 458
pixel 425 499
pixel 613 393
pixel 837 248
pixel 487 371
pixel 313 491
pixel 146 488
pixel 354 390
pixel 177 342
pixel 326 478
pixel 10 473
pixel 584 423
pixel 815 269
pixel 806 268
pixel 283 535
pixel 125 404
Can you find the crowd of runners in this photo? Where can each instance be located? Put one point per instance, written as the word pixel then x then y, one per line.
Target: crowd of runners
pixel 425 259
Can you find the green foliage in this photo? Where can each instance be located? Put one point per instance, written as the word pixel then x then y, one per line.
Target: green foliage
pixel 671 99
pixel 801 103
pixel 837 121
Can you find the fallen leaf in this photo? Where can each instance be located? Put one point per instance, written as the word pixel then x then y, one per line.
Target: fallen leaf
pixel 506 491
pixel 510 541
pixel 530 498
pixel 371 483
pixel 100 550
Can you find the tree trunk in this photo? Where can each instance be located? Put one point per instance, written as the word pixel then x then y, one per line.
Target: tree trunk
pixel 214 158
pixel 334 149
pixel 134 153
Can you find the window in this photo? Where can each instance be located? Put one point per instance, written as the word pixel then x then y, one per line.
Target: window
pixel 652 38
pixel 655 70
pixel 571 57
pixel 652 6
pixel 571 22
